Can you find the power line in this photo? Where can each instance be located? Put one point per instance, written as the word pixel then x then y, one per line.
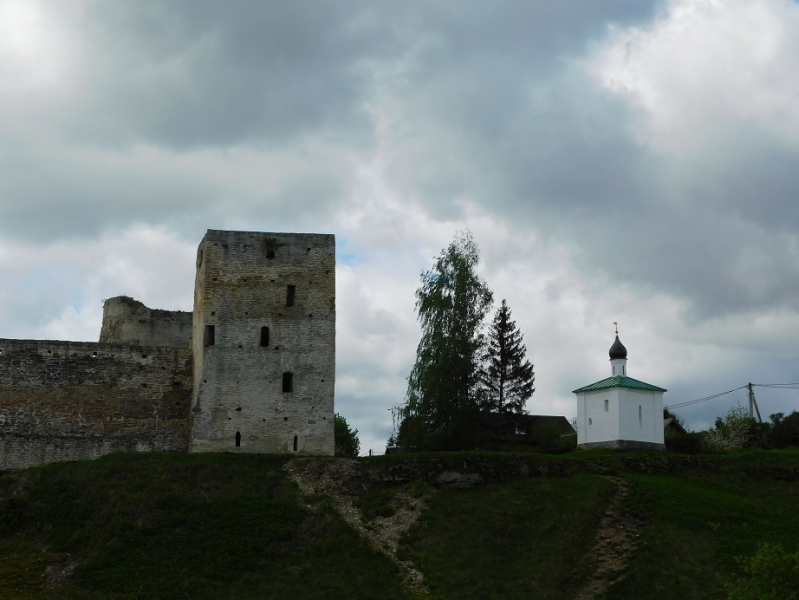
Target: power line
pixel 782 386
pixel 698 400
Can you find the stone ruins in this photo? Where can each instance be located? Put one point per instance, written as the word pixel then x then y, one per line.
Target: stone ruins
pixel 251 369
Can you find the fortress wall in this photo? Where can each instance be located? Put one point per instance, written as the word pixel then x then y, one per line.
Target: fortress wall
pixel 128 321
pixel 242 286
pixel 78 400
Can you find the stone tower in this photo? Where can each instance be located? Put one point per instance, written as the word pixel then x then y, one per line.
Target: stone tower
pixel 263 343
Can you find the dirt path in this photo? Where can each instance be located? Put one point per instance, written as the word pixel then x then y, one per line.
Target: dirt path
pixel 618 538
pixel 342 481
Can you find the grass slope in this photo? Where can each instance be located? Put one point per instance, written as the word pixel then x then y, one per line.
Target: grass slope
pixel 701 522
pixel 179 526
pixel 234 526
pixel 526 539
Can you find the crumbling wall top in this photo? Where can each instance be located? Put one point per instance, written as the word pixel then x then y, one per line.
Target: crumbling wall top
pixel 128 321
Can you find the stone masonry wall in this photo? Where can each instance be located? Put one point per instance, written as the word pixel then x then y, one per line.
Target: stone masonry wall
pixel 128 321
pixel 79 400
pixel 242 287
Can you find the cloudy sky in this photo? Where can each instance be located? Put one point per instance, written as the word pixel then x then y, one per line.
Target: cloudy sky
pixel 623 160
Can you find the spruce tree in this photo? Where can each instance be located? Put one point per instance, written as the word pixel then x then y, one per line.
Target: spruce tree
pixel 507 376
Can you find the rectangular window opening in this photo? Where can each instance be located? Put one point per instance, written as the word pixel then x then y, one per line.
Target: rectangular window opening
pixel 606 406
pixel 295 443
pixel 288 382
pixel 640 418
pixel 290 291
pixel 209 338
pixel 264 336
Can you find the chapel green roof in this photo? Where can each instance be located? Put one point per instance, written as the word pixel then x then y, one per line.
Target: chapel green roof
pixel 619 381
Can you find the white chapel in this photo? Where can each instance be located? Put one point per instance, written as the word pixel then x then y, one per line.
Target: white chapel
pixel 620 412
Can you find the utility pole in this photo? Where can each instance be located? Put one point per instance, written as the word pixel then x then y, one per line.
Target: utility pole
pixel 753 404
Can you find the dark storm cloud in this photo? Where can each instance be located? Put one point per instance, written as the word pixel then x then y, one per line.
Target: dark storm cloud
pixel 488 104
pixel 151 84
pixel 556 152
pixel 202 73
pixel 759 181
pixel 187 74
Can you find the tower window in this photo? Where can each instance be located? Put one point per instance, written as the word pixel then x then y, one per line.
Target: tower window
pixel 290 291
pixel 288 382
pixel 238 439
pixel 209 338
pixel 640 418
pixel 295 443
pixel 606 406
pixel 264 336
pixel 590 421
pixel 270 254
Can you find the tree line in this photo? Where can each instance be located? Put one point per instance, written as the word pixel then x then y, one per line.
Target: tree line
pixel 737 430
pixel 461 374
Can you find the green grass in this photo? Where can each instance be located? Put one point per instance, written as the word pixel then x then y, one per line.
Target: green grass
pixel 181 526
pixel 525 539
pixel 234 526
pixel 702 522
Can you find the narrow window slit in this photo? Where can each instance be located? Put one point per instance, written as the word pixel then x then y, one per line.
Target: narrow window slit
pixel 210 335
pixel 290 292
pixel 264 336
pixel 288 382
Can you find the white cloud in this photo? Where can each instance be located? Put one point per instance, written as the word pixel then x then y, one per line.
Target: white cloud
pixel 35 48
pixel 56 290
pixel 704 69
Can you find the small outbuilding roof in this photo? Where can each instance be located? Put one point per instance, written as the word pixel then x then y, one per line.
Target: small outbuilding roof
pixel 619 381
pixel 674 424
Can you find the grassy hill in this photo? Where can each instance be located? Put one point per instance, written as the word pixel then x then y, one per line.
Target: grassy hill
pixel 505 526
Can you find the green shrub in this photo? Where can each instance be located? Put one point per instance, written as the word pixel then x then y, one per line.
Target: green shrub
pixel 346 440
pixel 563 444
pixel 732 432
pixel 771 574
pixel 377 501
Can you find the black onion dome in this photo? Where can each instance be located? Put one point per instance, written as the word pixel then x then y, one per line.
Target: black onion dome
pixel 617 350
